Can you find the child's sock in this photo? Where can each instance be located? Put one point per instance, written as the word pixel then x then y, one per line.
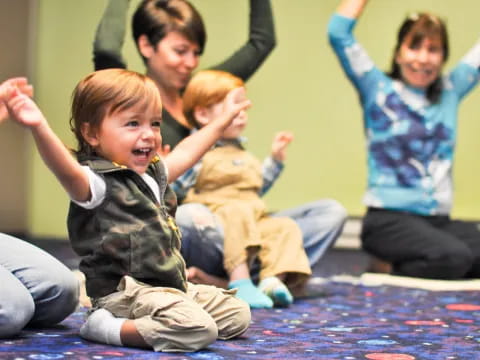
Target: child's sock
pixel 274 288
pixel 101 326
pixel 248 292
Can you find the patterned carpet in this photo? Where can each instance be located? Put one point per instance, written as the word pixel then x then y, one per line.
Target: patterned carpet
pixel 348 322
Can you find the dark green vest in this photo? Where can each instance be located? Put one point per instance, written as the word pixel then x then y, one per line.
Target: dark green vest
pixel 130 233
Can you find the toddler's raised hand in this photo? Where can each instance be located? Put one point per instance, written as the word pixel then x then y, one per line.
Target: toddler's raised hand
pixel 164 150
pixel 23 109
pixel 279 145
pixel 6 89
pixel 234 102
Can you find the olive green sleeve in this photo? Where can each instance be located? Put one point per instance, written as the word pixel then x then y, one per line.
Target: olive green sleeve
pixel 261 41
pixel 110 35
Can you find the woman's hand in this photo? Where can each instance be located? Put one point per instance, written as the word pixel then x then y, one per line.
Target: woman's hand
pixel 351 8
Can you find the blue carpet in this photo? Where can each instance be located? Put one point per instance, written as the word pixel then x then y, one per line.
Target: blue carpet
pixel 348 322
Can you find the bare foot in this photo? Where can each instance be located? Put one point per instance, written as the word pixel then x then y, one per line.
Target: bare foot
pixel 198 276
pixel 379 266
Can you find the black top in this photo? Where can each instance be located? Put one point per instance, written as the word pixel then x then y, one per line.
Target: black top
pixel 242 63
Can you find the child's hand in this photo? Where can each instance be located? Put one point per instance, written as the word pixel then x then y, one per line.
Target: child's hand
pixel 23 109
pixel 279 145
pixel 164 150
pixel 234 102
pixel 6 89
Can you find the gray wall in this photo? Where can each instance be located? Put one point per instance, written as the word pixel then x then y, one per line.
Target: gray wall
pixel 14 29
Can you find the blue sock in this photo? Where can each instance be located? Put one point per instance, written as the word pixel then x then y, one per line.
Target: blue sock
pixel 248 292
pixel 274 288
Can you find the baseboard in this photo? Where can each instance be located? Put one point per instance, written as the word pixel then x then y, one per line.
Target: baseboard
pixel 350 237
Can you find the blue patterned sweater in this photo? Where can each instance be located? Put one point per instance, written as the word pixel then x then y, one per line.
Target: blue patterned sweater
pixel 410 141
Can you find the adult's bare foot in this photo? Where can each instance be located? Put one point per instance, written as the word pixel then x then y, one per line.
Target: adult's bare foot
pixel 379 266
pixel 198 276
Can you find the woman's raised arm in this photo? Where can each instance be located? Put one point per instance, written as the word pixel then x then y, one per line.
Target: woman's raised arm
pixel 351 8
pixel 261 41
pixel 110 35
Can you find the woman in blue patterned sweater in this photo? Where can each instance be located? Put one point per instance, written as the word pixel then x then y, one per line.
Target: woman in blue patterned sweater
pixel 410 121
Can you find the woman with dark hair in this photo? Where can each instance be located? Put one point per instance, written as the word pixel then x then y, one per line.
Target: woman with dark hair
pixel 170 36
pixel 410 120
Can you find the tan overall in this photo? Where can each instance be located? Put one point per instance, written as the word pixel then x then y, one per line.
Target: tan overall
pixel 228 183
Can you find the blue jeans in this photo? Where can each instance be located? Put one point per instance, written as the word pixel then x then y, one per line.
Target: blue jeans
pixel 36 289
pixel 321 222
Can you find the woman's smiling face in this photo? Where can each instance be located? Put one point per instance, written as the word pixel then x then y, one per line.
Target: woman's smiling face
pixel 420 61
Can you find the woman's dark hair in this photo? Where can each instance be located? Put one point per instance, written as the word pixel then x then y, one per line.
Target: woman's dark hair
pixel 156 18
pixel 418 27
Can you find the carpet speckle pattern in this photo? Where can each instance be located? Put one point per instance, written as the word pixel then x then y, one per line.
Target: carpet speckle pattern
pixel 350 322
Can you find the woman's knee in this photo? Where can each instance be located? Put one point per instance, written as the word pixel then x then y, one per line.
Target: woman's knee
pixel 16 311
pixel 191 215
pixel 446 264
pixel 68 295
pixel 458 263
pixel 337 211
pixel 59 298
pixel 452 261
pixel 202 238
pixel 329 211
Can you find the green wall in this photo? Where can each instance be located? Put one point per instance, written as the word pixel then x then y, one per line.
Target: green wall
pixel 300 88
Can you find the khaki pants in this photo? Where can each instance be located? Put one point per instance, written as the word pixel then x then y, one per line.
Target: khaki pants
pixel 277 241
pixel 228 183
pixel 171 320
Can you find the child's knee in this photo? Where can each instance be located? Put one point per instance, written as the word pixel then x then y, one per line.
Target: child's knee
pixel 204 337
pixel 170 323
pixel 183 338
pixel 238 322
pixel 242 320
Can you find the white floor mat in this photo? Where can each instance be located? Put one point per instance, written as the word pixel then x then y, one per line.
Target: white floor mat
pixel 373 279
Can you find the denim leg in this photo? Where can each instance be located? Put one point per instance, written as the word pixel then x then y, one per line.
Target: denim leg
pixel 202 238
pixel 50 284
pixel 16 305
pixel 321 223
